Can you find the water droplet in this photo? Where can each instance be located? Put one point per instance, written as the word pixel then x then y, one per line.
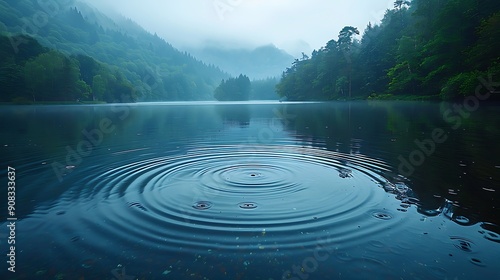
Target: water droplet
pixel 462 244
pixel 202 205
pixel 389 187
pixel 345 173
pixel 477 262
pixel 491 232
pixel 247 205
pixel 382 215
pixel 461 220
pixel 402 188
pixel 410 200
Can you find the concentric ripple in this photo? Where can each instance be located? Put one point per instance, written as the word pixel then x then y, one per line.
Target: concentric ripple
pixel 232 198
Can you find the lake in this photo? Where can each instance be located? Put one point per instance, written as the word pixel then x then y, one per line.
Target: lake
pixel 251 190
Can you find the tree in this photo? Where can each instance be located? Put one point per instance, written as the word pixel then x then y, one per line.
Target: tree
pixel 83 90
pixel 425 48
pixel 233 89
pixel 345 43
pixel 400 4
pixel 34 77
pixel 98 87
pixel 11 81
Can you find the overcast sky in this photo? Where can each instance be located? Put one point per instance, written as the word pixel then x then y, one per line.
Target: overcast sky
pixel 292 25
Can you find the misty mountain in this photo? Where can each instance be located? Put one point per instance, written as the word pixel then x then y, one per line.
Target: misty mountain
pixel 154 68
pixel 259 63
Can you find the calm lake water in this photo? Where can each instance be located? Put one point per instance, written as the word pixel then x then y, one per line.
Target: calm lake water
pixel 259 190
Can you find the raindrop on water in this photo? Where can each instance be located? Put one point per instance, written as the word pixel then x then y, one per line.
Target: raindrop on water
pixel 202 205
pixel 463 244
pixel 477 262
pixel 461 220
pixel 248 205
pixel 382 215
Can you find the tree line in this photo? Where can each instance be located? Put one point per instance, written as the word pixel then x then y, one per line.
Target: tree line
pixel 241 88
pixel 233 89
pixel 421 49
pixel 152 68
pixel 36 74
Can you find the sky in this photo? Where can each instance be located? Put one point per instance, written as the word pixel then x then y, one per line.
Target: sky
pixel 292 25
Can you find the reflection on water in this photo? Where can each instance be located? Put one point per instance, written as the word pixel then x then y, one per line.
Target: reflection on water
pixel 252 191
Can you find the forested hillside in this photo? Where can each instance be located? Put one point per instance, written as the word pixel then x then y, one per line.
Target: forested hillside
pixel 89 56
pixel 421 49
pixel 33 73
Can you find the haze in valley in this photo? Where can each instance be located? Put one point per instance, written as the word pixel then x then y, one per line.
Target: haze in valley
pixel 295 26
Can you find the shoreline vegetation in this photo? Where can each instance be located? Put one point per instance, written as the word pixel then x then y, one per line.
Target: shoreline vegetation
pixel 421 50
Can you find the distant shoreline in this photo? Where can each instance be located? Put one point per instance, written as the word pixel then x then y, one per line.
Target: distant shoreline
pixel 54 103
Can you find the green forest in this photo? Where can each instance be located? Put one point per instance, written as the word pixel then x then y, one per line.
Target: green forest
pixel 237 89
pixel 68 51
pixel 37 74
pixel 423 49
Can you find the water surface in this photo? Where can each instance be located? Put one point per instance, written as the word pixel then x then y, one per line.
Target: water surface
pixel 259 190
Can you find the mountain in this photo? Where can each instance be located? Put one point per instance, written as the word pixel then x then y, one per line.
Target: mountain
pixel 155 70
pixel 259 63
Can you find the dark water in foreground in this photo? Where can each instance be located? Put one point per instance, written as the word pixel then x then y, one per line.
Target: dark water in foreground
pixel 380 190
